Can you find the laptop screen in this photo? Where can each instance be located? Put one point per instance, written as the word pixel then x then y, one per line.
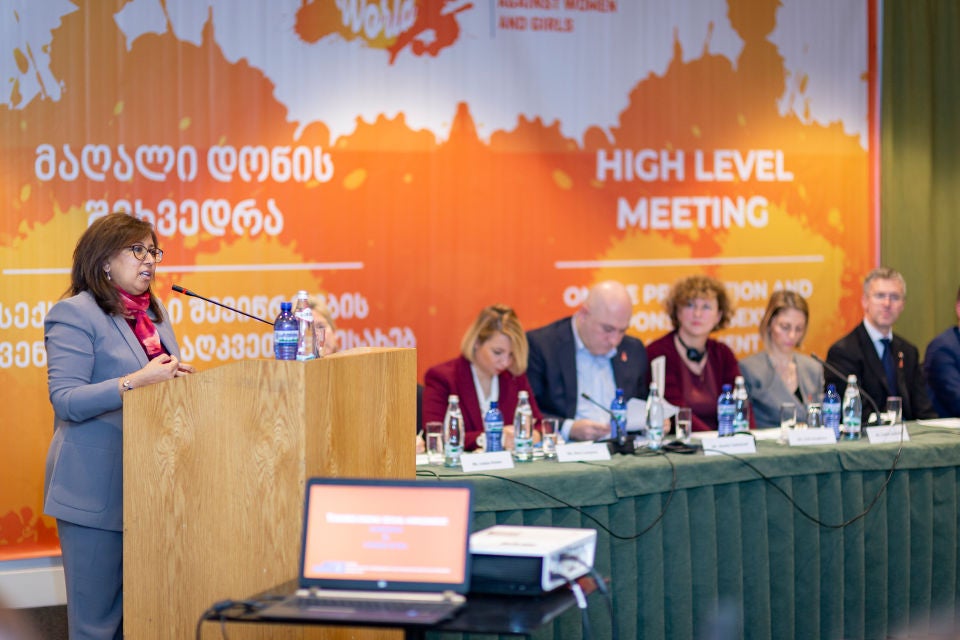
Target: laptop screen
pixel 386 535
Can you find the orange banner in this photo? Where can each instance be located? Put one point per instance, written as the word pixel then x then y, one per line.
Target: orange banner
pixel 414 161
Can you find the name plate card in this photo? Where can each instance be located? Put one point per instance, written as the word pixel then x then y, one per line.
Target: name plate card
pixel 486 461
pixel 732 444
pixel 889 433
pixel 422 459
pixel 582 452
pixel 811 437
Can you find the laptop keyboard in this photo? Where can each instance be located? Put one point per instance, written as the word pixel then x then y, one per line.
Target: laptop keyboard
pixel 371 605
pixel 376 609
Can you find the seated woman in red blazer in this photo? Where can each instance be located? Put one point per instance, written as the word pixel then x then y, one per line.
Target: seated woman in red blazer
pixel 492 366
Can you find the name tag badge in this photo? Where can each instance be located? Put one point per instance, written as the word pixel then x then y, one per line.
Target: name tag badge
pixel 738 445
pixel 582 452
pixel 486 461
pixel 888 433
pixel 811 437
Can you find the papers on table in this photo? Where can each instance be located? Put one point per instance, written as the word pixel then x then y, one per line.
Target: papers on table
pixel 637 413
pixel 947 423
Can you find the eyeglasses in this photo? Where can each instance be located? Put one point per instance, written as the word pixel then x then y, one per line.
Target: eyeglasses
pixel 140 253
pixel 881 296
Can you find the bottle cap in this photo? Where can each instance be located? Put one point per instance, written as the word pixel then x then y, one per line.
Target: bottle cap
pixel 852 377
pixel 453 398
pixel 522 394
pixel 286 306
pixel 831 387
pixel 727 387
pixel 739 380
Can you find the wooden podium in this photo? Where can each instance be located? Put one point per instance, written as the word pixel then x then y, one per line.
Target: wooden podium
pixel 214 474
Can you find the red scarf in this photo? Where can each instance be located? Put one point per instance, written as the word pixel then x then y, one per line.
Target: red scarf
pixel 143 327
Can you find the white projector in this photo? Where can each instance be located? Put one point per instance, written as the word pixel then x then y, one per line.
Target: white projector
pixel 529 560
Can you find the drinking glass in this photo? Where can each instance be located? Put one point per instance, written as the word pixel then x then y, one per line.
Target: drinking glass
pixel 894 412
pixel 549 429
pixel 433 432
pixel 684 424
pixel 788 420
pixel 814 416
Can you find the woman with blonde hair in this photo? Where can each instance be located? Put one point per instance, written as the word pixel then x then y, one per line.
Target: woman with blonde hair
pixel 780 374
pixel 491 367
pixel 323 319
pixel 697 366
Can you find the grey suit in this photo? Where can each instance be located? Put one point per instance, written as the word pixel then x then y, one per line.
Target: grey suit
pixel 88 352
pixel 767 391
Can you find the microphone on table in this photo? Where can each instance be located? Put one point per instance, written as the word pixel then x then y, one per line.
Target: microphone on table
pixel 842 376
pixel 620 444
pixel 180 289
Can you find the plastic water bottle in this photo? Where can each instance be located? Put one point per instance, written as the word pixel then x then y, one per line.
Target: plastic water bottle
pixel 285 333
pixel 741 406
pixel 523 429
pixel 452 432
pixel 831 410
pixel 654 417
pixel 493 428
pixel 725 411
pixel 852 409
pixel 306 329
pixel 618 417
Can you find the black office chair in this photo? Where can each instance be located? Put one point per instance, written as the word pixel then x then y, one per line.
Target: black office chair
pixel 419 407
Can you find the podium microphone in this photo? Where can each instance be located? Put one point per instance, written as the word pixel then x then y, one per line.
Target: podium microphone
pixel 187 292
pixel 842 376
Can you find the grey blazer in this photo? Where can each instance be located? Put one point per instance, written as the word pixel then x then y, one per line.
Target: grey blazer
pixel 767 391
pixel 88 352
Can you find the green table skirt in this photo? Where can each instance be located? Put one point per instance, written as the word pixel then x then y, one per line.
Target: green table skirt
pixel 812 542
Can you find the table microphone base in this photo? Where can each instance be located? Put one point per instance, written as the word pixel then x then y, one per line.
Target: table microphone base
pixel 626 446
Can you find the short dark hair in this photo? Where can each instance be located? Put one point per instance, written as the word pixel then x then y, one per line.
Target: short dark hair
pixel 102 240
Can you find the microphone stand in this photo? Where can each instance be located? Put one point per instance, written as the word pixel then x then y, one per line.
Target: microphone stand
pixel 863 392
pixel 187 292
pixel 620 444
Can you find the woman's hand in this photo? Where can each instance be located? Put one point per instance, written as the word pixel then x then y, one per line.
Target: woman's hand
pixel 184 369
pixel 163 367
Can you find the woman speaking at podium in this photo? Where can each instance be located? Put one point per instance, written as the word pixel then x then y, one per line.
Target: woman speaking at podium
pixel 107 335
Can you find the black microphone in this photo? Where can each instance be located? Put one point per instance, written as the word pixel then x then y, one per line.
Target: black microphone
pixel 620 444
pixel 841 375
pixel 180 289
pixel 592 401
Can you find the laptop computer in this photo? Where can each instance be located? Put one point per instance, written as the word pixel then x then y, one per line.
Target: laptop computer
pixel 381 551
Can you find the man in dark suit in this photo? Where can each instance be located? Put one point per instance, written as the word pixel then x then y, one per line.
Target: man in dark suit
pixel 885 364
pixel 588 352
pixel 941 363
